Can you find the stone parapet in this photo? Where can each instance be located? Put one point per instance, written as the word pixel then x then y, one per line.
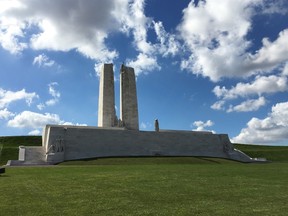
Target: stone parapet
pixel 78 142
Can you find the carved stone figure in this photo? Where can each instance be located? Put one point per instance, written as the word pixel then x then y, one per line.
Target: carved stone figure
pixel 56 146
pixel 156 124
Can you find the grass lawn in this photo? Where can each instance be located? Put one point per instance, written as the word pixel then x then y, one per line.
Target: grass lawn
pixel 146 189
pixel 147 186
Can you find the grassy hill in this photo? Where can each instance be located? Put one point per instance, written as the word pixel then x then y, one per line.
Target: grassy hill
pixel 9 146
pixel 271 153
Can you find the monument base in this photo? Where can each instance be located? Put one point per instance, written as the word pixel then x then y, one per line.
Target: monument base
pixel 64 143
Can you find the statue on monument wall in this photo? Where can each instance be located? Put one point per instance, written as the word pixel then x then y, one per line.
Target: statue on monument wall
pixel 156 124
pixel 56 146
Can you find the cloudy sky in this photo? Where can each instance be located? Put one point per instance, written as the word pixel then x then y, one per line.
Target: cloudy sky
pixel 217 65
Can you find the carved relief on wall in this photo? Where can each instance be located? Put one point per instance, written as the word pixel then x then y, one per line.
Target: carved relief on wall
pixel 227 147
pixel 56 146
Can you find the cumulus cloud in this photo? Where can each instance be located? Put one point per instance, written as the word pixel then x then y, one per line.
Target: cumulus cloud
pixel 216 36
pixel 260 86
pixel 33 120
pixel 138 23
pixel 43 61
pixel 200 125
pixel 7 97
pixel 272 130
pixel 11 29
pixel 144 64
pixel 84 26
pixel 272 53
pixel 248 105
pixel 28 119
pixel 63 25
pixel 6 114
pixel 218 105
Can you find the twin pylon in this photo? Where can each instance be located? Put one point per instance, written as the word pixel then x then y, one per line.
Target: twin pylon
pixel 128 99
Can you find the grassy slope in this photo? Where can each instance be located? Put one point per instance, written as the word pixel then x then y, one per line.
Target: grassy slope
pixel 10 146
pixel 272 153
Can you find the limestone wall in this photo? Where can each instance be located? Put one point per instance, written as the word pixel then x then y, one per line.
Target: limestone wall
pixel 75 142
pixel 128 98
pixel 106 103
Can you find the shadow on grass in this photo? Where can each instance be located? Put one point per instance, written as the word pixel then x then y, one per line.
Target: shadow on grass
pixel 147 161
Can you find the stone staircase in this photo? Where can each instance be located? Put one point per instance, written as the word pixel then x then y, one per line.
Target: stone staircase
pixel 34 155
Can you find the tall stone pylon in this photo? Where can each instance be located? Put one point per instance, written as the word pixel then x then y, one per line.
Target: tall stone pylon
pixel 128 98
pixel 106 105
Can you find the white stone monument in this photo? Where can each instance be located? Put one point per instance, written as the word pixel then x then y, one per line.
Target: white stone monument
pixel 128 98
pixel 113 138
pixel 106 101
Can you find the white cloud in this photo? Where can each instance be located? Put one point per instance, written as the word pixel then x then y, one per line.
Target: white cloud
pixel 70 123
pixel 202 125
pixel 260 86
pixel 144 64
pixel 64 25
pixel 272 129
pixel 216 37
pixel 43 61
pixel 248 105
pixel 55 96
pixel 34 132
pixel 11 29
pixel 54 93
pixel 138 23
pixel 168 42
pixel 97 68
pixel 7 97
pixel 6 114
pixel 84 26
pixel 28 119
pixel 285 70
pixel 218 105
pixel 272 53
pixel 41 106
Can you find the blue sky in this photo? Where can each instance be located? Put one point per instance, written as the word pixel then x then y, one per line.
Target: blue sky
pixel 217 65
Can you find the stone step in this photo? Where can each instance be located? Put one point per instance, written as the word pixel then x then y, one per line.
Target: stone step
pixel 34 153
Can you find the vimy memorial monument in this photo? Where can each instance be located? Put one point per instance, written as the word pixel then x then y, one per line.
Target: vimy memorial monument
pixel 120 136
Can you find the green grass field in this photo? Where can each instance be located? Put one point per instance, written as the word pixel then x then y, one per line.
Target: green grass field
pixel 148 186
